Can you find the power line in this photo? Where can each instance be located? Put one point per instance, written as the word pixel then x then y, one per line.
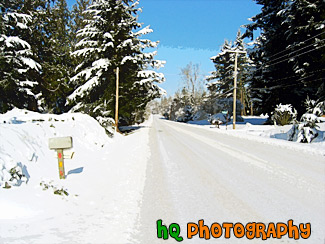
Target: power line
pixel 298 55
pixel 302 48
pixel 297 44
pixel 283 86
pixel 295 51
pixel 291 57
pixel 292 52
pixel 301 78
pixel 228 92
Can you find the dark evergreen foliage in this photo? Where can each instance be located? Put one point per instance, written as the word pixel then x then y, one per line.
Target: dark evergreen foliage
pixel 289 53
pixel 36 66
pixel 221 81
pixel 109 40
pixel 18 68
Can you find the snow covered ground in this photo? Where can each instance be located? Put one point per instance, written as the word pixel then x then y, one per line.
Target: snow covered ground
pixel 196 172
pixel 105 179
pixel 117 188
pixel 252 128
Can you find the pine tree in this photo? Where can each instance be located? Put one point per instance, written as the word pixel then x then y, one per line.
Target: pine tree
pixel 52 42
pixel 18 68
pixel 79 16
pixel 110 39
pixel 222 79
pixel 307 32
pixel 288 54
pixel 267 74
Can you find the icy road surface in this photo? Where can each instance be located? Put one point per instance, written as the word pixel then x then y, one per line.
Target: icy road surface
pixel 195 174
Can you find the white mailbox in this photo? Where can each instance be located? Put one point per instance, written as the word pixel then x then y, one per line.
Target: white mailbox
pixel 60 142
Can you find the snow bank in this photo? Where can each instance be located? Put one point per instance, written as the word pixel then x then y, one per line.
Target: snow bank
pixel 253 129
pixel 24 139
pixel 100 196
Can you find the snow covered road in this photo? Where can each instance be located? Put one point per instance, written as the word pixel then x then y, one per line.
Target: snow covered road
pixel 195 174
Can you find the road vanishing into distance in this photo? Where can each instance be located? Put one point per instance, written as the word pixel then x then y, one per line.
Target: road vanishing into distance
pixel 198 174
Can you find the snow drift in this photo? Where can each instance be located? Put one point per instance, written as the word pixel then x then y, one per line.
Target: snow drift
pixel 99 199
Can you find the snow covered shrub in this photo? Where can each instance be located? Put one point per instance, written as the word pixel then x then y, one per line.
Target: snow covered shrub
pixel 305 131
pixel 309 120
pixel 218 119
pixel 284 114
pixel 200 115
pixel 180 114
pixel 184 114
pixel 12 174
pixel 313 107
pixel 166 115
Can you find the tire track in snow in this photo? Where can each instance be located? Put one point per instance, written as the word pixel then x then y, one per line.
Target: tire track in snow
pixel 268 166
pixel 156 203
pixel 201 172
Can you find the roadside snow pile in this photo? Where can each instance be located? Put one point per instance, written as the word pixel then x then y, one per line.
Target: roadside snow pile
pixel 253 128
pixel 98 202
pixel 311 129
pixel 24 143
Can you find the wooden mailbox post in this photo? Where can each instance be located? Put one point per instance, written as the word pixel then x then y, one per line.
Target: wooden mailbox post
pixel 60 143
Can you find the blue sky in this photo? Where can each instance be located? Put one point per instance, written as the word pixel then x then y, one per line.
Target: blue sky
pixel 192 31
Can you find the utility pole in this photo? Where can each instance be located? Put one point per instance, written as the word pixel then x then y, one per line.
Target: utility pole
pixel 235 94
pixel 235 87
pixel 116 99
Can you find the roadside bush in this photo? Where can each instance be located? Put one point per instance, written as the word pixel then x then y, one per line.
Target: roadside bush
pixel 200 115
pixel 284 115
pixel 304 132
pixel 184 114
pixel 219 118
pixel 314 107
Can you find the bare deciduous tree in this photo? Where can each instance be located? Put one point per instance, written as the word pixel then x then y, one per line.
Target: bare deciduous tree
pixel 193 82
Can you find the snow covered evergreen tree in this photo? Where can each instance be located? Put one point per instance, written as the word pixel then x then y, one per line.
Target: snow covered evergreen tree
pixel 222 79
pixel 18 68
pixel 60 65
pixel 111 39
pixel 35 54
pixel 306 32
pixel 288 55
pixel 267 74
pixel 79 15
pixel 52 37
